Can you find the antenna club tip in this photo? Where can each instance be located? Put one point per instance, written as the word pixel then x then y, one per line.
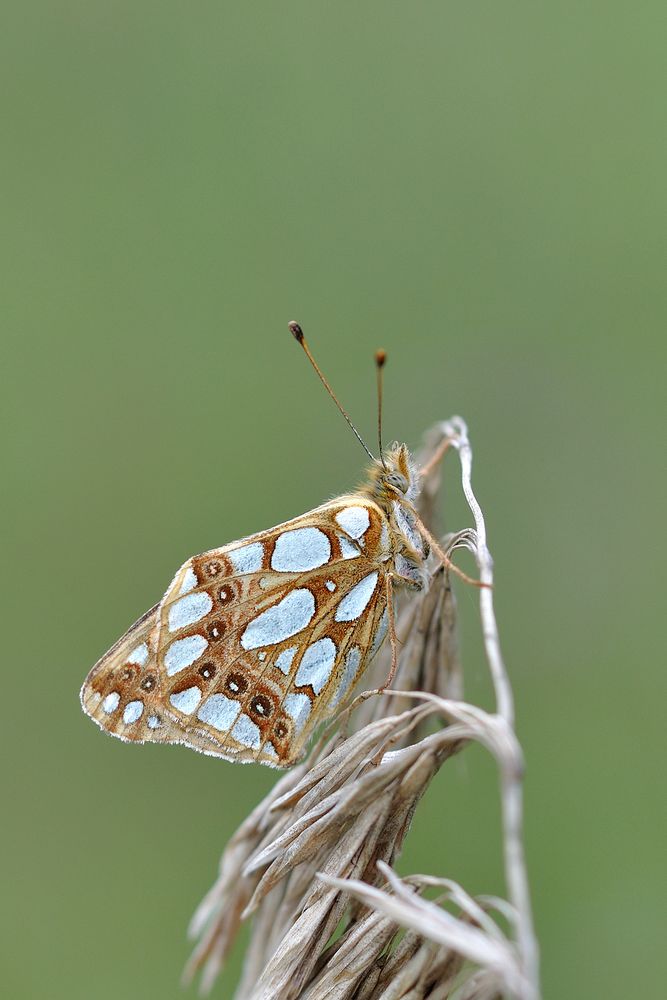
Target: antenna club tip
pixel 380 358
pixel 296 331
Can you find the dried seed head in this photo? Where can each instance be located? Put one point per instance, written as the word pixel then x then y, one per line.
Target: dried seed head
pixel 357 930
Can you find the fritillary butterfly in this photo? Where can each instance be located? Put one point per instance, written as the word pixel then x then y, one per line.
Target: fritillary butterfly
pixel 254 644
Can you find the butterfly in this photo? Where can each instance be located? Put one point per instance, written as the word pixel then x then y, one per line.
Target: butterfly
pixel 256 643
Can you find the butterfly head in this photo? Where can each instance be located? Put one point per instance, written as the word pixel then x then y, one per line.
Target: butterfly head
pixel 394 478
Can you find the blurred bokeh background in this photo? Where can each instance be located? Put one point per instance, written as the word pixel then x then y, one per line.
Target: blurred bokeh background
pixel 479 189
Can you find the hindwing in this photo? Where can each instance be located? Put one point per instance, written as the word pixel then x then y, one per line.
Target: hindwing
pixel 257 642
pixel 123 692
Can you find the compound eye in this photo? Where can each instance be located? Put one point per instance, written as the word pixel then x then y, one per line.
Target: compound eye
pixel 397 481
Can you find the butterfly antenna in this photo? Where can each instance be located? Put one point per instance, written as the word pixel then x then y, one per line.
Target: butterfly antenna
pixel 380 358
pixel 297 332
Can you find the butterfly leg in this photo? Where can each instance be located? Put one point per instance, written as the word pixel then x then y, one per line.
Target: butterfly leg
pixel 389 581
pixel 444 558
pixel 389 585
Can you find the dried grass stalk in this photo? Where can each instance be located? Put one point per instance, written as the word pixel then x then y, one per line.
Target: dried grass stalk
pixel 312 865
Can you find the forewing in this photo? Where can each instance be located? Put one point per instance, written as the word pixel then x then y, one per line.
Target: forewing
pixel 259 641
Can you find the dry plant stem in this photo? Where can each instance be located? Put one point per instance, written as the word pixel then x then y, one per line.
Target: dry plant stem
pixel 316 854
pixel 436 458
pixel 511 776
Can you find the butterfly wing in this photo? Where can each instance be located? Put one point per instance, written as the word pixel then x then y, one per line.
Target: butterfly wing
pixel 123 693
pixel 257 642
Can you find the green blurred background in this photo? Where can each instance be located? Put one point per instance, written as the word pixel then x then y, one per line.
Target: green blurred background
pixel 478 188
